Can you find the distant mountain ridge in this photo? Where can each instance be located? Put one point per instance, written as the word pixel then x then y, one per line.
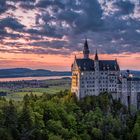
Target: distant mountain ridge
pixel 25 72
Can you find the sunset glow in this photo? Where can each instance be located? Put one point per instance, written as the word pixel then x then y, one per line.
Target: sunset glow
pixel 42 34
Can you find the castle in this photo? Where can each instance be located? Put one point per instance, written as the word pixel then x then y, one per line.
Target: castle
pixel 92 77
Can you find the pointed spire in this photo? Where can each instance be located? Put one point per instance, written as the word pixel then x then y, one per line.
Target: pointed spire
pixel 86 49
pixel 75 57
pixel 86 43
pixel 96 55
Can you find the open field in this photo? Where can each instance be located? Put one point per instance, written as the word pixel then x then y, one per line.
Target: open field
pixel 54 86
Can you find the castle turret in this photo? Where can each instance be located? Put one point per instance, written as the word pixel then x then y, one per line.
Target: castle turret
pixel 96 56
pixel 96 66
pixel 86 50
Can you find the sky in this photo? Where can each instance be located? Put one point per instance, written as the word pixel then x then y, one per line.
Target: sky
pixel 47 34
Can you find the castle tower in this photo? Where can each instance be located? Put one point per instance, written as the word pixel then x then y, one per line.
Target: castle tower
pixel 86 50
pixel 96 67
pixel 96 61
pixel 96 56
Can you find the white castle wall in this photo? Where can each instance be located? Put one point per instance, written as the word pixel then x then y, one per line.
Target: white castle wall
pixel 87 83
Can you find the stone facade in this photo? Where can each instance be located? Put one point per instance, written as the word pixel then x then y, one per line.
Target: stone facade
pixel 92 77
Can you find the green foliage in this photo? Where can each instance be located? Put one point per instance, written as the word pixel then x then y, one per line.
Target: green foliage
pixel 5 134
pixel 136 129
pixel 61 117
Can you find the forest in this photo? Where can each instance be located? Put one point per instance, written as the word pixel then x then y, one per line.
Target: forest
pixel 61 117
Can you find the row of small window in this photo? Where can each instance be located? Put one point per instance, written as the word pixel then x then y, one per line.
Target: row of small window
pixel 103 81
pixel 89 73
pixel 87 78
pixel 113 89
pixel 112 85
pixel 110 81
pixel 103 86
pixel 103 78
pixel 88 82
pixel 93 77
pixel 105 89
pixel 87 91
pixel 112 77
pixel 88 86
pixel 91 90
pixel 108 77
pixel 102 90
pixel 105 73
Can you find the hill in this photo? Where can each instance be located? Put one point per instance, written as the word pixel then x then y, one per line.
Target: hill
pixel 25 72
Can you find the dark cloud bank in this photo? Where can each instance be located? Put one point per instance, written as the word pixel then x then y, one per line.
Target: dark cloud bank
pixel 111 26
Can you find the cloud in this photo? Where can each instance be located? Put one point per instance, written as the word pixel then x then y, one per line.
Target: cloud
pixel 18 1
pixel 46 3
pixel 91 17
pixel 74 18
pixel 51 44
pixel 12 23
pixel 4 6
pixel 27 5
pixel 111 26
pixel 125 7
pixel 45 30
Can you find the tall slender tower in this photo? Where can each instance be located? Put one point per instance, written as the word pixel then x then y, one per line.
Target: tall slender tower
pixel 96 61
pixel 96 56
pixel 96 66
pixel 86 50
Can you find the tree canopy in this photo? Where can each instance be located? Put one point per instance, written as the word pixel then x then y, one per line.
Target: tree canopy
pixel 62 117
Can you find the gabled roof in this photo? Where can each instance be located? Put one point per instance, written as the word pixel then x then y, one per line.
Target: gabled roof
pixel 104 65
pixel 85 64
pixel 108 65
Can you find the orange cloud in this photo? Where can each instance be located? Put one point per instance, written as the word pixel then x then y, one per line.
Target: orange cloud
pixel 60 62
